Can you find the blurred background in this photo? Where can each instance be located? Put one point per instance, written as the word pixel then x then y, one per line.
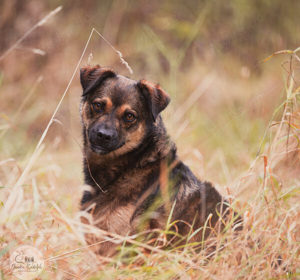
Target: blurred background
pixel 208 55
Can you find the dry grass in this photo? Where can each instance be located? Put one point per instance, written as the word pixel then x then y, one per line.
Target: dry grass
pixel 40 190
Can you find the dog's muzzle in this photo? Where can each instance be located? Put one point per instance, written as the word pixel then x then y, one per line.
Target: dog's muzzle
pixel 103 140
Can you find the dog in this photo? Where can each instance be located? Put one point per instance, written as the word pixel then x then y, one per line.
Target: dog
pixel 137 180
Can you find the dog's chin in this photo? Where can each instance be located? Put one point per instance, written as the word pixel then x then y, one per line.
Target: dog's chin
pixel 103 150
pixel 99 150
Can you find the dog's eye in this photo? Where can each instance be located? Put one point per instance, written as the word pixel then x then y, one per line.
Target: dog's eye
pixel 98 107
pixel 129 117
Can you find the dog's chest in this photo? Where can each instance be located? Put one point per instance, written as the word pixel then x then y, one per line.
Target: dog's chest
pixel 117 220
pixel 131 183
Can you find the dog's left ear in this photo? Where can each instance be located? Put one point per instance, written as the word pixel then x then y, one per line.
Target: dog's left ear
pixel 155 96
pixel 92 77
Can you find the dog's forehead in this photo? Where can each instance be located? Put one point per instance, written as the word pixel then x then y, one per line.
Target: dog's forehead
pixel 125 81
pixel 121 90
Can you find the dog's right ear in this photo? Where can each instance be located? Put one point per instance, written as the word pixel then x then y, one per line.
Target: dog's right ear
pixel 92 77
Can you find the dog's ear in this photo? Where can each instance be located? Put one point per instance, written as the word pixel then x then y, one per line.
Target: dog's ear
pixel 92 77
pixel 155 96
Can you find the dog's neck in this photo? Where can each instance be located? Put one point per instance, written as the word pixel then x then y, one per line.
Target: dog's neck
pixel 103 170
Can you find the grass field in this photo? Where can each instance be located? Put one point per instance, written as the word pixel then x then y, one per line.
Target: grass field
pixel 233 127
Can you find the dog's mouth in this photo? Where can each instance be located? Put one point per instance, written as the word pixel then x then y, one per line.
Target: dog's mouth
pixel 98 149
pixel 104 150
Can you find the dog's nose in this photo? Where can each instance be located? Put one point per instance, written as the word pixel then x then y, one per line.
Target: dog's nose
pixel 105 134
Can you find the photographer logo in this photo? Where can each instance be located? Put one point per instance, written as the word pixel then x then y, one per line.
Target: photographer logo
pixel 26 262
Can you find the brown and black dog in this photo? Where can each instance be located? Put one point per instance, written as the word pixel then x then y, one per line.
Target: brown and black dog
pixel 131 163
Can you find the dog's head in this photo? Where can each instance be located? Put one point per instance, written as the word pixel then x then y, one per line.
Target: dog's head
pixel 117 112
